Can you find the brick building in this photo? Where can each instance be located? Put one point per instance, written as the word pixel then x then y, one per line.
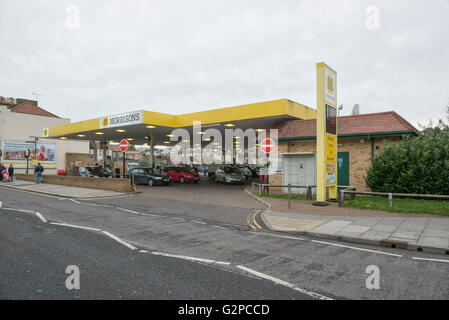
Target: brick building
pixel 360 137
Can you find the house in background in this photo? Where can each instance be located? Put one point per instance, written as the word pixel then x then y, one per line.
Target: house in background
pixel 22 119
pixel 360 138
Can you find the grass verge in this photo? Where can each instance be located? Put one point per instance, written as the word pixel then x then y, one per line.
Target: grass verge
pixel 401 205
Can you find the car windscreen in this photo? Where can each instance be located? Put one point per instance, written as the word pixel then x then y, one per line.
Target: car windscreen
pixel 93 170
pixel 152 171
pixel 231 170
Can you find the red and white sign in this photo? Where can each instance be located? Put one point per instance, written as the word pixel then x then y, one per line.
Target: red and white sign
pixel 267 145
pixel 124 145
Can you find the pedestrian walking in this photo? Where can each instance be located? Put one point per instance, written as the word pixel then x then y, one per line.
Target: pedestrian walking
pixel 11 172
pixel 38 171
pixel 4 173
pixel 2 167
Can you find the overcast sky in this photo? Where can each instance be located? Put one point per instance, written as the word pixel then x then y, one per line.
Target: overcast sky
pixel 186 56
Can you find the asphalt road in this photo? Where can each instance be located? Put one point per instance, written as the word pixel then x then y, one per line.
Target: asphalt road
pixel 35 256
pixel 311 267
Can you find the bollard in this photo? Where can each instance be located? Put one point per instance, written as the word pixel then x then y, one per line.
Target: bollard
pixel 390 200
pixel 309 193
pixel 289 196
pixel 252 188
pixel 341 201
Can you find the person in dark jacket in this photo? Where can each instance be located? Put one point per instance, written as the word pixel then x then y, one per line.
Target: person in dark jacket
pixel 38 170
pixel 10 172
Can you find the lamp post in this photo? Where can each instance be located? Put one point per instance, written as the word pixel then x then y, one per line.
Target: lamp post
pixel 35 146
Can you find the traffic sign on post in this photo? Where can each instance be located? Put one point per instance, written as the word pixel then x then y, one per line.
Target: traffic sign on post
pixel 267 145
pixel 124 144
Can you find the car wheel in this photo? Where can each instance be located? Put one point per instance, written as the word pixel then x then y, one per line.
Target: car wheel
pixel 182 180
pixel 196 181
pixel 150 182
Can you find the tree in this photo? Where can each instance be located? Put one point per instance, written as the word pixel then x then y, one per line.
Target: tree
pixel 415 165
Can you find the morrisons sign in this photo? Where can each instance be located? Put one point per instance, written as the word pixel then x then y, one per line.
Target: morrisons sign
pixel 124 119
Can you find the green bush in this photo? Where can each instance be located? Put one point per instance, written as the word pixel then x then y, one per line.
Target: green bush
pixel 415 165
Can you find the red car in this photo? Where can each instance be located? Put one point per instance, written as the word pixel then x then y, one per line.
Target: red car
pixel 182 174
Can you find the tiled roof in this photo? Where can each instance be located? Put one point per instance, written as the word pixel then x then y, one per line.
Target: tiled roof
pixel 382 122
pixel 29 108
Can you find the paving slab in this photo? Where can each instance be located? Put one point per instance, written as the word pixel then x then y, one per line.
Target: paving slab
pixel 432 232
pixel 434 242
pixel 354 229
pixel 60 191
pixel 406 235
pixel 375 235
pixel 423 234
pixel 332 226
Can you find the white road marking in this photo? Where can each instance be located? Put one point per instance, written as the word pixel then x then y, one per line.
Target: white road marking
pixel 284 283
pixel 182 257
pixel 74 226
pixel 119 240
pixel 360 249
pixel 426 259
pixel 200 222
pixel 220 227
pixel 74 200
pixel 97 205
pixel 41 217
pixel 10 209
pixel 277 236
pixel 222 262
pixel 26 211
pixel 127 210
pixel 0 204
pixel 144 251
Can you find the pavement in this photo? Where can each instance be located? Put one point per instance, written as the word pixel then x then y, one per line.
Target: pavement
pixel 428 233
pixel 59 190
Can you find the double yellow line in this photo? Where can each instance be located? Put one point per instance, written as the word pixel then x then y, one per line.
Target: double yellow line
pixel 251 220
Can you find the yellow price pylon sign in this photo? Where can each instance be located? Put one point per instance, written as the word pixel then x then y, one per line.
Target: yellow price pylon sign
pixel 326 132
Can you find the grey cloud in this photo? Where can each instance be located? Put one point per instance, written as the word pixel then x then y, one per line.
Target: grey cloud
pixel 178 56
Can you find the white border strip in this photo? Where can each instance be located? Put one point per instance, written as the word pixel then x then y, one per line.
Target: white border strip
pixel 127 210
pixel 41 217
pixel 356 248
pixel 426 259
pixel 277 236
pixel 182 257
pixel 126 244
pixel 284 283
pixel 74 226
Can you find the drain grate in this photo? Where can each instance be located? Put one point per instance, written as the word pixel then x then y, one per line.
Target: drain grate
pixel 394 244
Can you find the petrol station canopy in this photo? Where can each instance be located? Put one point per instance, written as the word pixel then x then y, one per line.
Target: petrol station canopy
pixel 136 126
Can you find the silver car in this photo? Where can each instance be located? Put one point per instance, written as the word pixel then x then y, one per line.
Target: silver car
pixel 229 175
